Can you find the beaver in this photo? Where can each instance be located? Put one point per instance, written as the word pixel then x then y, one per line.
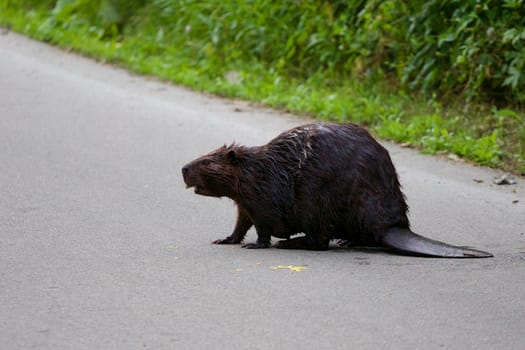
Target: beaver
pixel 326 181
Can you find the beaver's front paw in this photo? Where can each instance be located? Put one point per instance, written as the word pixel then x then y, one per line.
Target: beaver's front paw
pixel 227 240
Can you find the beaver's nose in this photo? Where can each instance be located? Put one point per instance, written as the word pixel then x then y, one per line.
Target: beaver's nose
pixel 185 170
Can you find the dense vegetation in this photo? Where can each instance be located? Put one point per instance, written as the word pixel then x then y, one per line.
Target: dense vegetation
pixel 443 75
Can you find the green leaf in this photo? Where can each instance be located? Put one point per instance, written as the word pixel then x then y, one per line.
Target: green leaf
pixel 513 78
pixel 445 38
pixel 109 12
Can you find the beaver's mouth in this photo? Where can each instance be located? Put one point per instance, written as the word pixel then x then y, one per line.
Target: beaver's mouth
pixel 189 182
pixel 202 191
pixel 198 187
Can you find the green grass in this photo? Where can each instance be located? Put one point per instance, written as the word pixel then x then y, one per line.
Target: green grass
pixel 481 133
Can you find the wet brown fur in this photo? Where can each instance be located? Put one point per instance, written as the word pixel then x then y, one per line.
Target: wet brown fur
pixel 328 181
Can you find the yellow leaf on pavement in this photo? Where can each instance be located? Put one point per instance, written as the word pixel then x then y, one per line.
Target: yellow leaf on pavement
pixel 290 267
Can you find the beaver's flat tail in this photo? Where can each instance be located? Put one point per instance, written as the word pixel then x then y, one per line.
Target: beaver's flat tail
pixel 404 241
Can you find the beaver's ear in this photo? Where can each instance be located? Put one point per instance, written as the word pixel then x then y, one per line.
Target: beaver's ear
pixel 231 156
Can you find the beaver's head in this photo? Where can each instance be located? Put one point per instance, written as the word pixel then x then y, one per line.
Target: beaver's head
pixel 214 174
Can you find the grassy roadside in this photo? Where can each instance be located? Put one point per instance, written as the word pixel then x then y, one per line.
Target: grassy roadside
pixel 483 134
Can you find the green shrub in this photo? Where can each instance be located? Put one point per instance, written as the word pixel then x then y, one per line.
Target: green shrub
pixel 446 47
pixel 299 37
pixel 477 46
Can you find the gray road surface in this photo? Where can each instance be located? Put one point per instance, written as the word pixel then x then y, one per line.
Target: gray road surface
pixel 101 246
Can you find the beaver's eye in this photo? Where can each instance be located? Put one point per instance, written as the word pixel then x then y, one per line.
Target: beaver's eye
pixel 206 162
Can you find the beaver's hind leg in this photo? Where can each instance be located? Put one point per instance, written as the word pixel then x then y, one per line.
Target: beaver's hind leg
pixel 304 242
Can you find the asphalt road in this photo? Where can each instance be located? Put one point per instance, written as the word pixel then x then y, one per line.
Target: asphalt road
pixel 102 247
